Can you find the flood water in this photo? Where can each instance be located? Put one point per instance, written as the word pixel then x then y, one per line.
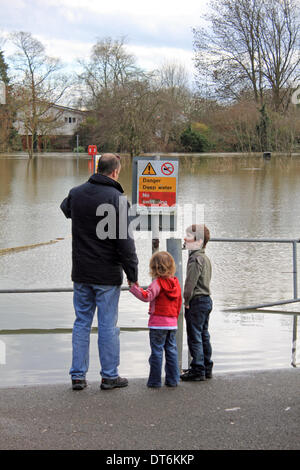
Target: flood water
pixel 243 197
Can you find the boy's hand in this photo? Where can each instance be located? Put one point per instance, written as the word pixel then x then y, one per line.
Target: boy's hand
pixel 186 306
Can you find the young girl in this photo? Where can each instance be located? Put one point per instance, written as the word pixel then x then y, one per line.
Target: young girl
pixel 164 295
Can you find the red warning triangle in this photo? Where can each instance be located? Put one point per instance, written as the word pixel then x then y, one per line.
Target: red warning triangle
pixel 149 170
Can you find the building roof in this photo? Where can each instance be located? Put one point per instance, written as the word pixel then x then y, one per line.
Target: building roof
pixel 67 108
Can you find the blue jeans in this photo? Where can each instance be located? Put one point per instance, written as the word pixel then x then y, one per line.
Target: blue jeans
pixel 197 318
pixel 161 340
pixel 86 298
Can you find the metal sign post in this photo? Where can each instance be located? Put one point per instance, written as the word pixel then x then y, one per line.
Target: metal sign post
pixel 154 193
pixel 174 248
pixel 155 217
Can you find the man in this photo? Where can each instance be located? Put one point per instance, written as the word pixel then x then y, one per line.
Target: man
pixel 98 258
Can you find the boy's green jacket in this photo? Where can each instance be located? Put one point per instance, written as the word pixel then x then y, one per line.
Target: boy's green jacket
pixel 198 275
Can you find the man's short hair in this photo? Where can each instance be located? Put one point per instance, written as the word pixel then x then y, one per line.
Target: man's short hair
pixel 108 163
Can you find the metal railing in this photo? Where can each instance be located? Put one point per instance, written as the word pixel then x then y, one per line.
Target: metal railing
pixel 295 299
pixel 174 247
pixel 295 271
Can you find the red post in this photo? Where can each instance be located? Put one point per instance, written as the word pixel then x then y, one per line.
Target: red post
pixel 92 150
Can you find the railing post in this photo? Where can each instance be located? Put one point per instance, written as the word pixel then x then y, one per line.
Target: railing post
pixel 295 318
pixel 174 248
pixel 295 273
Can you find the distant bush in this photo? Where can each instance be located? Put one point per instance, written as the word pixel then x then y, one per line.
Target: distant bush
pixel 79 150
pixel 193 141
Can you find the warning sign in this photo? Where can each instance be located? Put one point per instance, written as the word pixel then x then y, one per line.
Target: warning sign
pixel 167 168
pixel 149 170
pixel 157 185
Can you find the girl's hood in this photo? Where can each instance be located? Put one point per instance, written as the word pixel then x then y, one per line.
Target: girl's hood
pixel 170 286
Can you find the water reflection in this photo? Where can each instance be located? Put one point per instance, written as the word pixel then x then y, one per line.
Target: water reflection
pixel 243 197
pixel 237 345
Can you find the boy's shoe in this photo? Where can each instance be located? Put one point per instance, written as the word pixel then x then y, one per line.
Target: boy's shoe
pixel 109 384
pixel 191 375
pixel 79 384
pixel 209 375
pixel 170 385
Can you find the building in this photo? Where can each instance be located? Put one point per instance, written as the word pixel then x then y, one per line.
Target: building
pixel 2 93
pixel 56 127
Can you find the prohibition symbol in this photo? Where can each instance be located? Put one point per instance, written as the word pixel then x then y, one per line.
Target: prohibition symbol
pixel 149 170
pixel 167 168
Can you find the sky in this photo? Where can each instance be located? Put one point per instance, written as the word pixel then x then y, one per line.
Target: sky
pixel 156 32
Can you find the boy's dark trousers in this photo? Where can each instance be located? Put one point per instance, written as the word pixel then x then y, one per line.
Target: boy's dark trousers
pixel 197 317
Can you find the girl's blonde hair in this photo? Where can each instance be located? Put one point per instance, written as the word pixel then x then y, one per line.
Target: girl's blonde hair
pixel 162 264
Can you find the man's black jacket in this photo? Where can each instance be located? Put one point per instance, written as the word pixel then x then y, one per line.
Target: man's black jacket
pixel 98 261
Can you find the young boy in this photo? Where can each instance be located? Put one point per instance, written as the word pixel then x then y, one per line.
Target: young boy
pixel 198 304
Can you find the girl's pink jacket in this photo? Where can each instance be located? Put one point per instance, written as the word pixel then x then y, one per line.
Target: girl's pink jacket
pixel 165 300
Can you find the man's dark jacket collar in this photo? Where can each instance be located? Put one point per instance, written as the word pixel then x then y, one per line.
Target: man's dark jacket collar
pixel 97 178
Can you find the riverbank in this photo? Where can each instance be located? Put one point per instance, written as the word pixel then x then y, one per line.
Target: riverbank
pixel 253 410
pixel 150 154
pixel 224 154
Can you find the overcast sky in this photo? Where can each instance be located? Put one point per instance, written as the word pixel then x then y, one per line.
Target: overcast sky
pixel 156 31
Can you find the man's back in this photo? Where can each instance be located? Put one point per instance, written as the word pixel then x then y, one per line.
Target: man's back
pixel 96 260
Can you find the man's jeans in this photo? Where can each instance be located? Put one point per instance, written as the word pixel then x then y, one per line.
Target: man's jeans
pixel 86 298
pixel 161 340
pixel 197 317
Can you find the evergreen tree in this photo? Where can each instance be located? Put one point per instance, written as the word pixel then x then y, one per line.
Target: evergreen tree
pixel 193 141
pixel 3 69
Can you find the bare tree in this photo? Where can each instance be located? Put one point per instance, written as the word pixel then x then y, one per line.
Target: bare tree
pixel 134 110
pixel 175 98
pixel 110 66
pixel 279 46
pixel 173 76
pixel 250 45
pixel 121 97
pixel 125 120
pixel 37 87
